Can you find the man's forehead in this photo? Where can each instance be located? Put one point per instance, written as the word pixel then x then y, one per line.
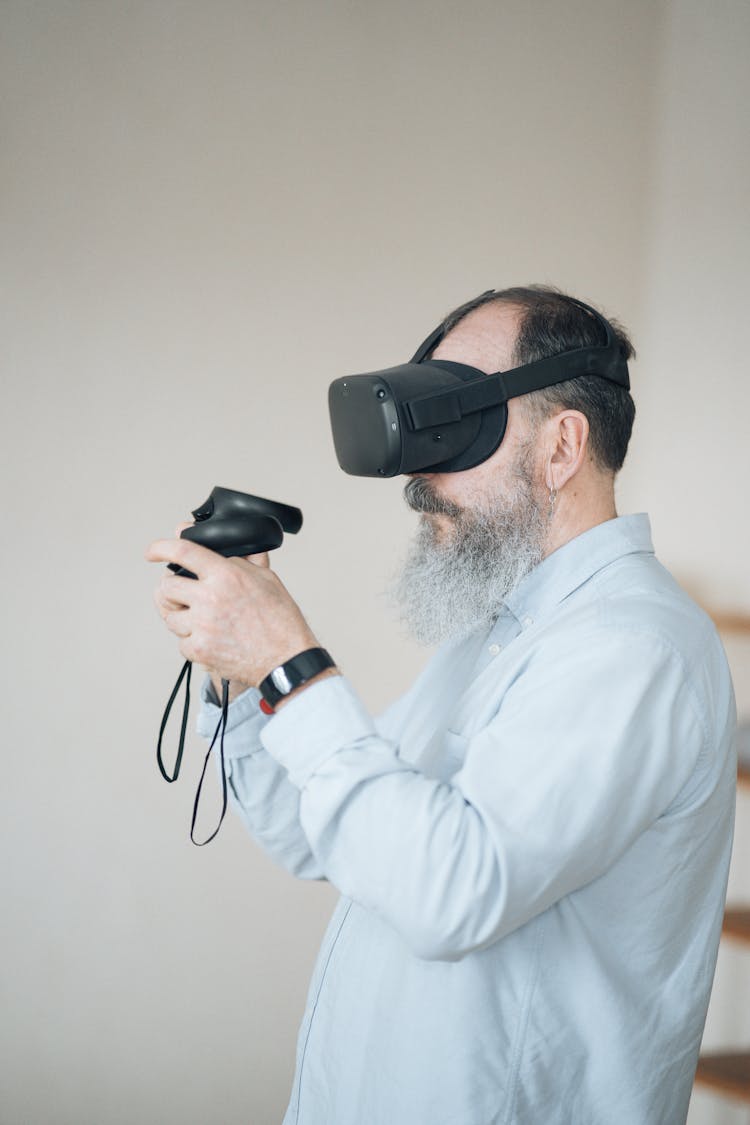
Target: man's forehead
pixel 484 338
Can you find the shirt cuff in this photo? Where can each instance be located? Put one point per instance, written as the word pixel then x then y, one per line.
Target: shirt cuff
pixel 245 707
pixel 315 725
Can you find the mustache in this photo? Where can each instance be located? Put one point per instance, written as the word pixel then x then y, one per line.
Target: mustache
pixel 422 497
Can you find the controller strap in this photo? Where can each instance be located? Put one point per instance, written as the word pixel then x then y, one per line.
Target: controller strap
pixel 218 733
pixel 184 675
pixel 220 726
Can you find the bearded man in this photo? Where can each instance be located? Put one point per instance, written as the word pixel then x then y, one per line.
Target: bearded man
pixel 531 845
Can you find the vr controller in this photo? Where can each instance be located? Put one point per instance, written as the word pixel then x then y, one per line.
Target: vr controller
pixel 230 523
pixel 236 523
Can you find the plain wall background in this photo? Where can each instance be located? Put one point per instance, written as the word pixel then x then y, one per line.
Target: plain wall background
pixel 208 212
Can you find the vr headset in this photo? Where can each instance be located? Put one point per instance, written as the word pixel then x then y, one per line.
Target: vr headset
pixel 438 416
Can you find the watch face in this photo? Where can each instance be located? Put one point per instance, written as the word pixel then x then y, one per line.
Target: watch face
pixel 281 681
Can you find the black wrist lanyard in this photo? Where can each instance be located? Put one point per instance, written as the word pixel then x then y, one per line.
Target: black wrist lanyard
pixel 220 728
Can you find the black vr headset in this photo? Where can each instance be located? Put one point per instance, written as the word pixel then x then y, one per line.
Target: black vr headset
pixel 437 416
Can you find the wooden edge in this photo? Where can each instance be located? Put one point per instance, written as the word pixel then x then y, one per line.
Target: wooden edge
pixel 737 923
pixel 728 1072
pixel 727 621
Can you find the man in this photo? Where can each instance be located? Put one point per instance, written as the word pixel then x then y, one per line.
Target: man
pixel 532 845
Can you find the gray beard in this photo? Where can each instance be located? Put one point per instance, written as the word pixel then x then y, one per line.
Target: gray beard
pixel 455 579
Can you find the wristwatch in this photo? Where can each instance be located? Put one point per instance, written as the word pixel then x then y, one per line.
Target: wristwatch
pixel 292 674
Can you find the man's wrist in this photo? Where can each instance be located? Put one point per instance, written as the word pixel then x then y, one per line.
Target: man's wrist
pixel 236 687
pixel 285 677
pixel 324 675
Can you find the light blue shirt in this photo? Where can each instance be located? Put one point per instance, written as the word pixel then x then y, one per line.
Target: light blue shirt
pixel 532 846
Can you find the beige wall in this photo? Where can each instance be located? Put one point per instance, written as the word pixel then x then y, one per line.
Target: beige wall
pixel 209 211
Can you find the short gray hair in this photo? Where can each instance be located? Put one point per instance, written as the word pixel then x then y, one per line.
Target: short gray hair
pixel 551 323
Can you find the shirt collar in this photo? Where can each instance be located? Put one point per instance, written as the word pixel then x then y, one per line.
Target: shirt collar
pixel 576 562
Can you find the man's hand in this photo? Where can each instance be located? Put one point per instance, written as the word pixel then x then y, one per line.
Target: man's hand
pixel 237 618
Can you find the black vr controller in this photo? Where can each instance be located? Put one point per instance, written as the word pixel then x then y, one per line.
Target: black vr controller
pixel 236 523
pixel 231 523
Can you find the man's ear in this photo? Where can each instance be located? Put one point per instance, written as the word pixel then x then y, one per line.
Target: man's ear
pixel 567 445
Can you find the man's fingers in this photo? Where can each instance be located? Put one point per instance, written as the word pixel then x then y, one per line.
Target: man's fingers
pixel 174 593
pixel 177 623
pixel 165 605
pixel 181 527
pixel 191 556
pixel 259 560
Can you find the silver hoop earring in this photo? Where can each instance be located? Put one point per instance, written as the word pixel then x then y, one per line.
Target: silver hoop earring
pixel 552 499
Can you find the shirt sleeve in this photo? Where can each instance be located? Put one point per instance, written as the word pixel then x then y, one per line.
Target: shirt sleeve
pixel 587 749
pixel 259 789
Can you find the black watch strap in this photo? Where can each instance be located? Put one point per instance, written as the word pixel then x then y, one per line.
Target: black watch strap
pixel 293 673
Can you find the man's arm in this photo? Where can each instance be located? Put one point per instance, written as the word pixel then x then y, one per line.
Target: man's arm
pixel 582 757
pixel 587 750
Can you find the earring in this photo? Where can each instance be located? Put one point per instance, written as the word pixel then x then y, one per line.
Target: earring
pixel 552 499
